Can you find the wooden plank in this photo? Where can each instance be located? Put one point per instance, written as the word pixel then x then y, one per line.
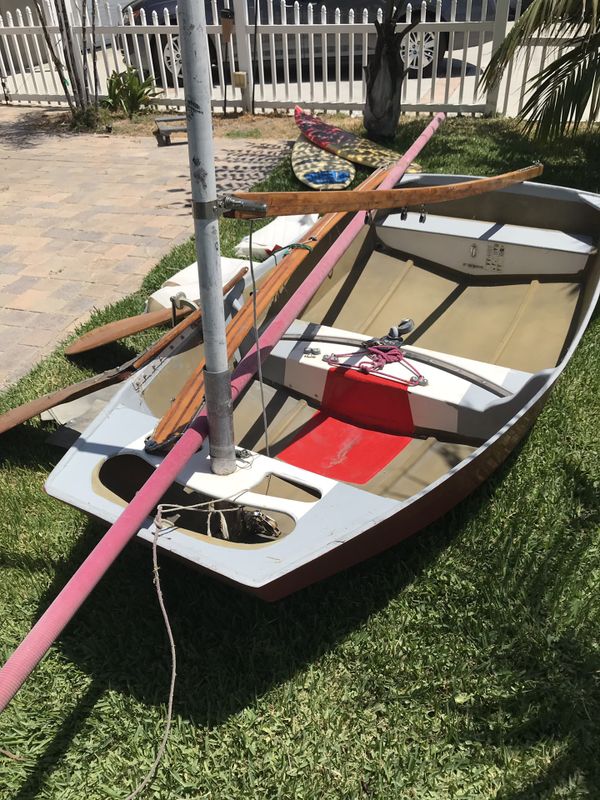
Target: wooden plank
pixel 16 416
pixel 113 331
pixel 281 203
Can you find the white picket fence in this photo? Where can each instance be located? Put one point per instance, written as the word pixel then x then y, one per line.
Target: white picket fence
pixel 305 55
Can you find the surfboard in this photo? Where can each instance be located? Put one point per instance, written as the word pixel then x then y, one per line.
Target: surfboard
pixel 345 143
pixel 319 168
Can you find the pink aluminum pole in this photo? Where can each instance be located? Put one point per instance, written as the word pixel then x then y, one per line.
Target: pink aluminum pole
pixel 60 612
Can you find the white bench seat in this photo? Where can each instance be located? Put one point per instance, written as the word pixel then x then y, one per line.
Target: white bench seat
pixel 478 247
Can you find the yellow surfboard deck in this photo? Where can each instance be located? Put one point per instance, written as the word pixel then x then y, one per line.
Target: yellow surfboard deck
pixel 319 168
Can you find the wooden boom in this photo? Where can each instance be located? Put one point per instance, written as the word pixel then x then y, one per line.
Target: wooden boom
pixel 15 416
pixel 112 331
pixel 280 203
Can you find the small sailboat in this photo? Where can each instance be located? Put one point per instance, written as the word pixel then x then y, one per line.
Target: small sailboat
pixel 397 359
pixel 410 375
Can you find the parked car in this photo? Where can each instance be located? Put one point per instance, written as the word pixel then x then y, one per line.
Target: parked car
pixel 412 52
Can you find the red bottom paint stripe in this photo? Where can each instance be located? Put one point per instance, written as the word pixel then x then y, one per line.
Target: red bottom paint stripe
pixel 342 451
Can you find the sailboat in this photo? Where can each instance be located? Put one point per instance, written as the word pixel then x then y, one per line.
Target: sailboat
pixel 380 374
pixel 411 374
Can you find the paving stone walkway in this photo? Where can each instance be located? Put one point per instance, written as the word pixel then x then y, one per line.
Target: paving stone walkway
pixel 82 220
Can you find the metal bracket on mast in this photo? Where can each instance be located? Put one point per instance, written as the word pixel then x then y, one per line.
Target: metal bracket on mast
pixel 232 206
pixel 207 210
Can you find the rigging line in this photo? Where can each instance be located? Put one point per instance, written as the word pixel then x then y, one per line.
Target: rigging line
pixel 165 737
pixel 256 338
pixel 254 61
pixel 158 529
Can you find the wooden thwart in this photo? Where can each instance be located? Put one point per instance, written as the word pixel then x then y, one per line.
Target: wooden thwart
pixel 281 203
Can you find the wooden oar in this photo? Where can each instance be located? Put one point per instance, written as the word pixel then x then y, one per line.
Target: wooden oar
pixel 279 203
pixel 190 398
pixel 113 331
pixel 20 414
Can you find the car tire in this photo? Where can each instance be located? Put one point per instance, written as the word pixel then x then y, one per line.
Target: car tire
pixel 174 78
pixel 411 43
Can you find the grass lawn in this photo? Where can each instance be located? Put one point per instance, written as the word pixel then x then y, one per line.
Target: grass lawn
pixel 464 663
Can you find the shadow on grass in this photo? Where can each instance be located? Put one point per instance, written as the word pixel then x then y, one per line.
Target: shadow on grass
pixel 37 454
pixel 231 648
pixel 551 676
pixel 56 749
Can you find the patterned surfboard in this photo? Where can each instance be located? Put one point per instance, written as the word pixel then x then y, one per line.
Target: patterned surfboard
pixel 346 144
pixel 320 169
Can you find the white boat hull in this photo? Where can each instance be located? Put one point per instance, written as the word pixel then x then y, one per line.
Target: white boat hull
pixel 470 411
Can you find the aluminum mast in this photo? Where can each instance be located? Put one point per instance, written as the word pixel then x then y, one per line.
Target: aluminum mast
pixel 198 88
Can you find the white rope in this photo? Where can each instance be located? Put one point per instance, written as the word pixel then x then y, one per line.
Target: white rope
pixel 256 339
pixel 165 737
pixel 159 527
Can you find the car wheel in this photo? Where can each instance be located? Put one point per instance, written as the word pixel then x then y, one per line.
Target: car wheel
pixel 172 60
pixel 412 56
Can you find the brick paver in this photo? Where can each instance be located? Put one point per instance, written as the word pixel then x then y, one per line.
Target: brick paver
pixel 84 218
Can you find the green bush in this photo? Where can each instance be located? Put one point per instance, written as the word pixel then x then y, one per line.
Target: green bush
pixel 128 93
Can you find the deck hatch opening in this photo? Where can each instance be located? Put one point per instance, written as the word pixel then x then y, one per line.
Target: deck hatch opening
pixel 123 475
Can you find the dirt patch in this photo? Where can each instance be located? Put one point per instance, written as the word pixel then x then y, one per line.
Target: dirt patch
pixel 236 126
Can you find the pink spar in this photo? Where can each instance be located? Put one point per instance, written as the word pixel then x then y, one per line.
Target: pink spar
pixel 53 621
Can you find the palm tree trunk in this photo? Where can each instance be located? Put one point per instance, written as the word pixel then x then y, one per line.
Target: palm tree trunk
pixel 385 75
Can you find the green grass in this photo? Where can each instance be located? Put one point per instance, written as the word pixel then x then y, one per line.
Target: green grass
pixel 463 663
pixel 244 133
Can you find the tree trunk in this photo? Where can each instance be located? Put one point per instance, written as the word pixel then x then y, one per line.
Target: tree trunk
pixel 385 76
pixel 58 66
pixel 72 59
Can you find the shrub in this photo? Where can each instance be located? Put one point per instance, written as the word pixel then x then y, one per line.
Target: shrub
pixel 127 92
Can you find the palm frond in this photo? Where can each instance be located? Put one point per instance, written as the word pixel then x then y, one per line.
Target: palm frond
pixel 576 18
pixel 565 91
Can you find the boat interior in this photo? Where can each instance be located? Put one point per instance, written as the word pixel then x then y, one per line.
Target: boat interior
pixel 483 291
pixel 496 287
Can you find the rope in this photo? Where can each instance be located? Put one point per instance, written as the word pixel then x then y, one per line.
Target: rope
pixel 159 527
pixel 165 737
pixel 379 356
pixel 256 339
pixel 300 246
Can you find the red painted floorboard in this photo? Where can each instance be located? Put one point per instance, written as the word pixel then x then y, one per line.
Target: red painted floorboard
pixel 342 451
